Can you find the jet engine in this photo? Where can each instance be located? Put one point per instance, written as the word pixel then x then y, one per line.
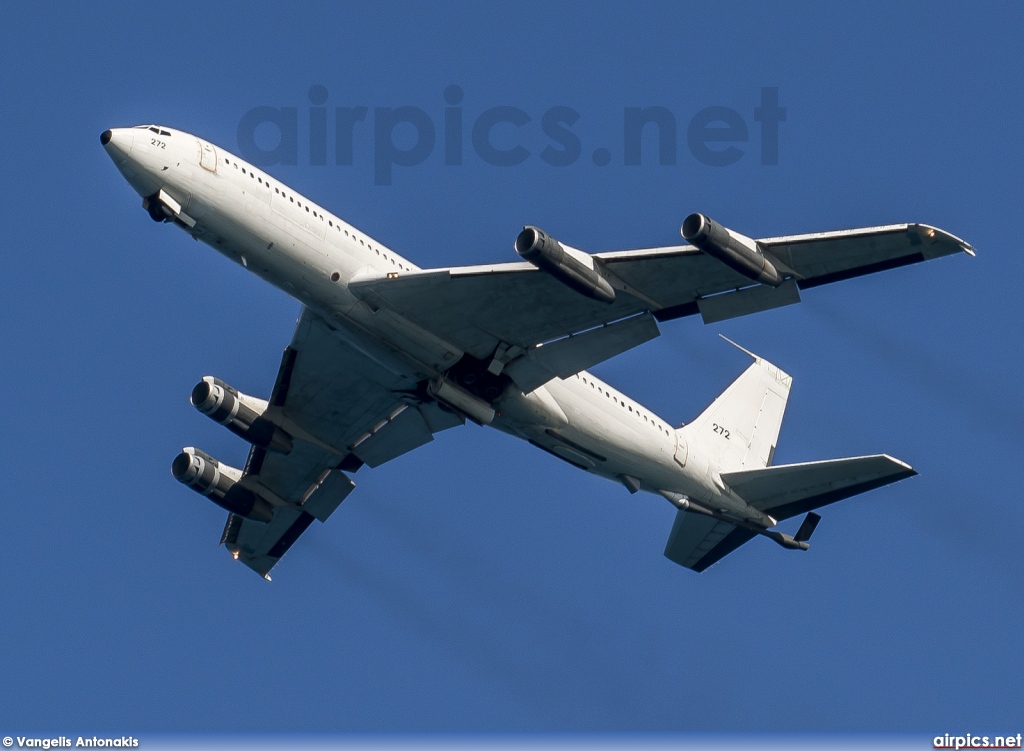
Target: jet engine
pixel 547 254
pixel 740 253
pixel 219 483
pixel 240 413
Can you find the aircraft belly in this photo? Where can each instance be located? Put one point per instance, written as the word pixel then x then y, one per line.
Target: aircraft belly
pixel 383 354
pixel 285 255
pixel 313 270
pixel 403 336
pixel 282 253
pixel 601 442
pixel 142 182
pixel 571 425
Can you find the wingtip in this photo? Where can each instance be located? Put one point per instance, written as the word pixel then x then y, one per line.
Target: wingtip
pixel 934 233
pixel 904 467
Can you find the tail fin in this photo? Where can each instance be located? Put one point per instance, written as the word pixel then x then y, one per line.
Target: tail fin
pixel 741 427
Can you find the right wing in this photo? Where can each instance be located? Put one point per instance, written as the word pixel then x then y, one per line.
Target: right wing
pixel 513 307
pixel 343 410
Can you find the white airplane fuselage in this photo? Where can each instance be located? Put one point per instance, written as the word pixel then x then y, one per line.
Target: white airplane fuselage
pixel 311 254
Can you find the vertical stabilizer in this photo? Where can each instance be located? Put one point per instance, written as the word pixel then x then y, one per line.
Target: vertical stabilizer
pixel 741 427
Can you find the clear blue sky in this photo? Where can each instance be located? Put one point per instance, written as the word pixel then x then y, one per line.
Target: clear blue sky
pixel 479 584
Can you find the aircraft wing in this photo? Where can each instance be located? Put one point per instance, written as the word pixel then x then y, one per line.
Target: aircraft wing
pixel 517 306
pixel 343 410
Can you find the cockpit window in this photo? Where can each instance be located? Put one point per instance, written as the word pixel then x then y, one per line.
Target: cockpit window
pixel 158 131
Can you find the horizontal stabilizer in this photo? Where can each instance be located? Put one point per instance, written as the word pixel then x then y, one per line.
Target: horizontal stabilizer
pixel 792 489
pixel 697 541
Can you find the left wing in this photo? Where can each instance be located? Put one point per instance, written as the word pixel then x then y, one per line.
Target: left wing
pixel 516 306
pixel 343 410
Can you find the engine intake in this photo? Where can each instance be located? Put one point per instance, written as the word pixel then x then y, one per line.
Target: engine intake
pixel 219 482
pixel 240 413
pixel 547 254
pixel 738 252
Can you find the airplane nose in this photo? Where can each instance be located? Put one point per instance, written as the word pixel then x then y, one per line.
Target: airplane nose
pixel 117 142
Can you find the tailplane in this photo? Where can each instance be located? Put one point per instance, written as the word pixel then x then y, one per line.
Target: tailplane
pixel 738 434
pixel 793 489
pixel 699 540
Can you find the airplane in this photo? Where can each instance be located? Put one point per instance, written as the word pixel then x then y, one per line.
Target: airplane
pixel 386 354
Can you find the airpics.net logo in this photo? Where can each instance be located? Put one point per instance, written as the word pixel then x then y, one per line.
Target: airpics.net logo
pixel 976 741
pixel 503 135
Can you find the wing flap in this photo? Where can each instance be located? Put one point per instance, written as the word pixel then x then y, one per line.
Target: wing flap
pixel 290 476
pixel 401 432
pixel 568 356
pixel 331 489
pixel 748 300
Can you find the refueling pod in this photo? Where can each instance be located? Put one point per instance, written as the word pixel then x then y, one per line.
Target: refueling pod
pixel 219 482
pixel 240 413
pixel 738 252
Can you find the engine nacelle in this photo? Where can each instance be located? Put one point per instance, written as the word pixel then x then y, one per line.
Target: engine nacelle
pixel 738 252
pixel 240 413
pixel 219 483
pixel 546 253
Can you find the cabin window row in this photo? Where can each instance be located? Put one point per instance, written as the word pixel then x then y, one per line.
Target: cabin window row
pixel 622 403
pixel 291 199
